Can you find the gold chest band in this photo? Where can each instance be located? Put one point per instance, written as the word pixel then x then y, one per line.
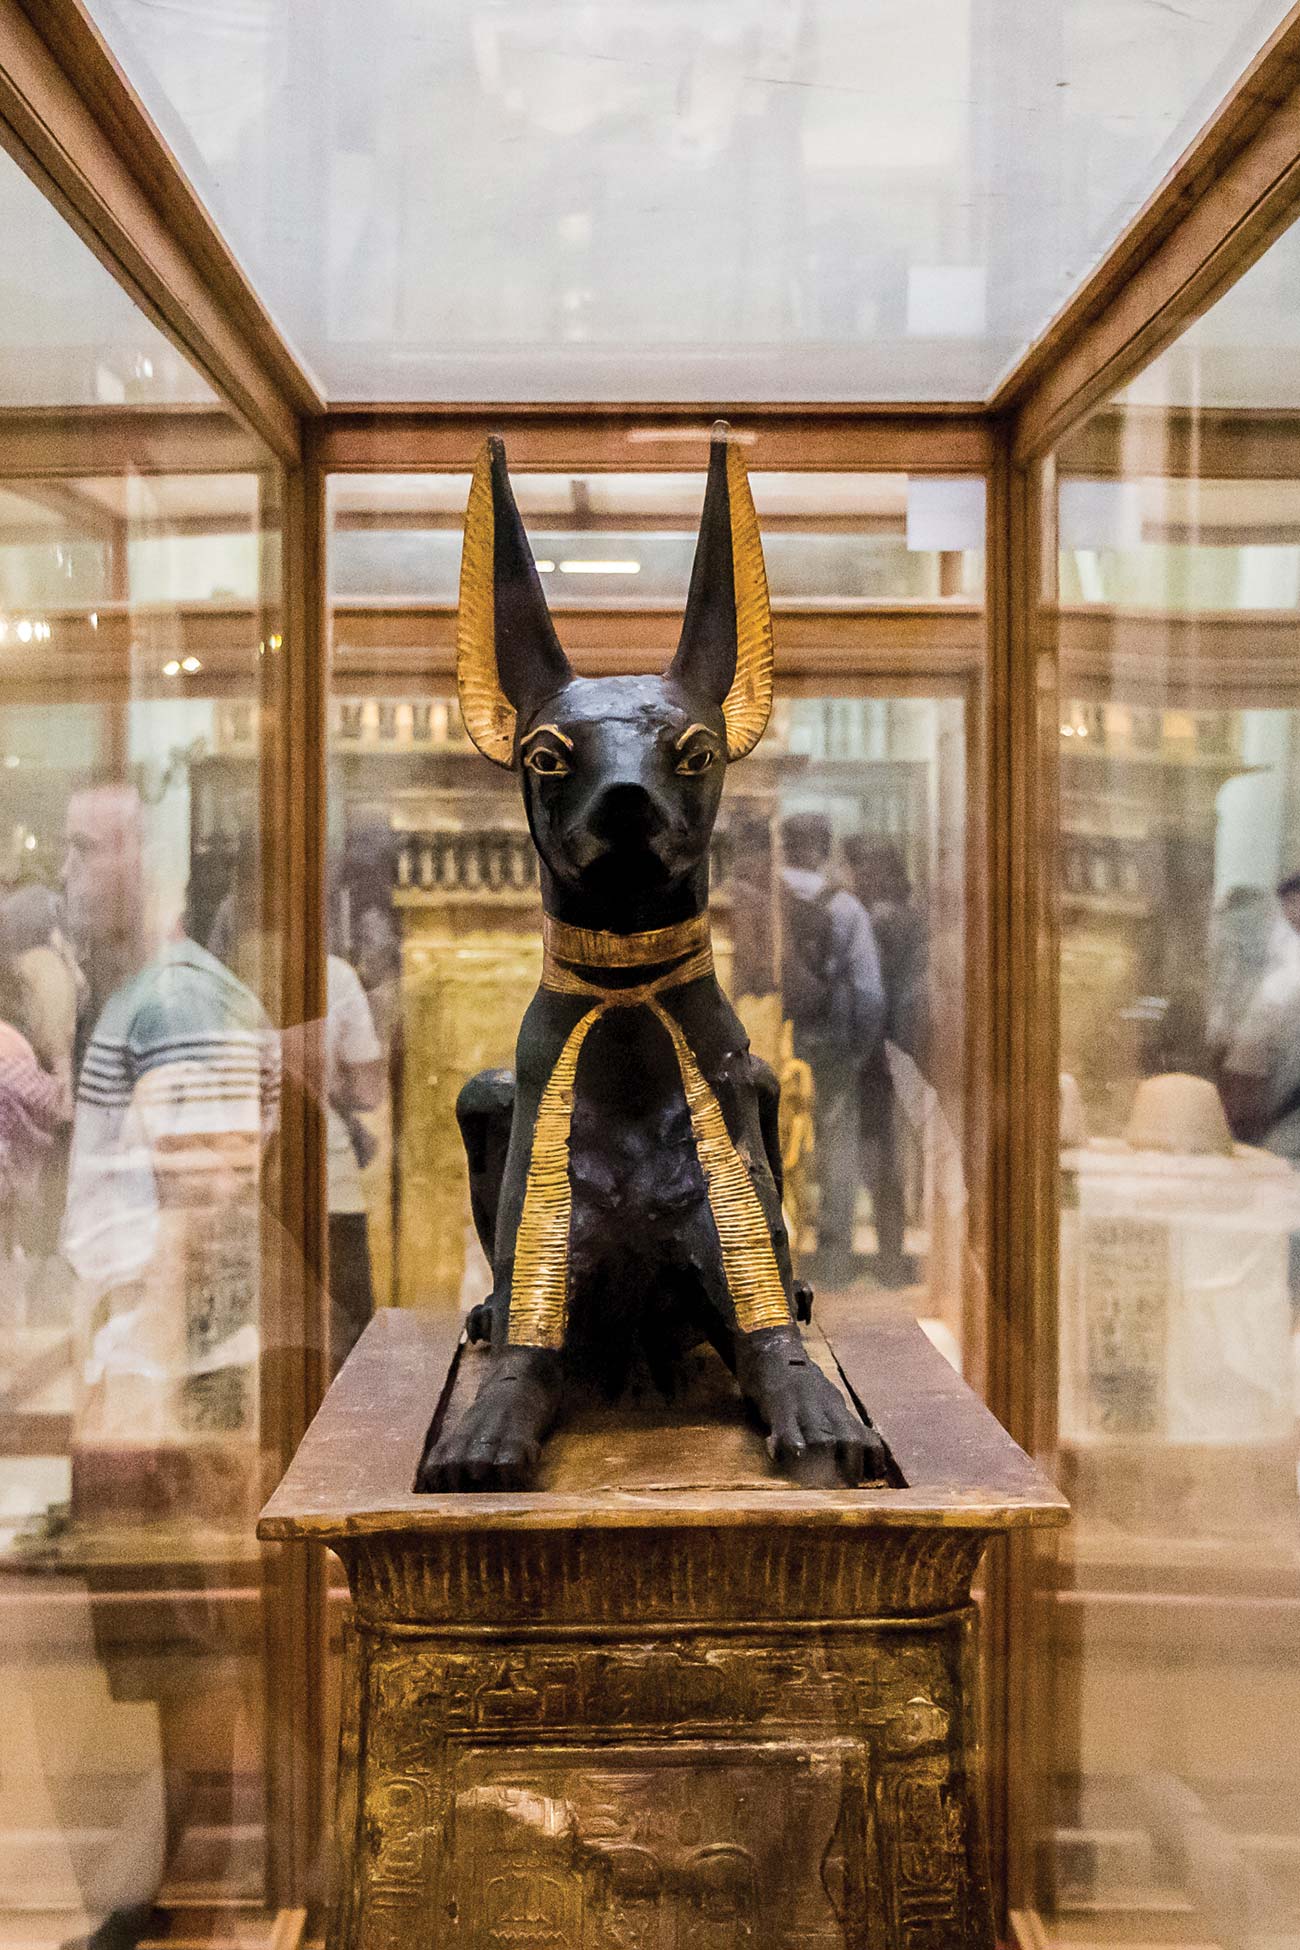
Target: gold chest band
pixel 539 1287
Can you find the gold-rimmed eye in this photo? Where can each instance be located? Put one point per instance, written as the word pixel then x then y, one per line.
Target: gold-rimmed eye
pixel 546 762
pixel 696 761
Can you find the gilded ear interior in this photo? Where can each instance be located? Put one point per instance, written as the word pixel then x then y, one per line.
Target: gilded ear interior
pixel 725 649
pixel 507 652
pixel 748 703
pixel 488 713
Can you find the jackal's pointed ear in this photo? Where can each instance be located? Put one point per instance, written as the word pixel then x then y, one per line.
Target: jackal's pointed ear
pixel 506 647
pixel 726 642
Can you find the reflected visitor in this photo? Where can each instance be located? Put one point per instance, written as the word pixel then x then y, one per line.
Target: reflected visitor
pixel 176 1095
pixel 49 987
pixel 1249 939
pixel 1261 1066
pixel 834 999
pixel 354 1062
pixel 881 883
pixel 41 989
pixel 753 966
pixel 378 962
pixel 902 934
pixel 32 1115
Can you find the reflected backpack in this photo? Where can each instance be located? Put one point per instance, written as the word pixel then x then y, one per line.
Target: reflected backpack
pixel 807 971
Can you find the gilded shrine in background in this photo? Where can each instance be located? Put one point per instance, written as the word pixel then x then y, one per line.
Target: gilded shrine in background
pixel 471 950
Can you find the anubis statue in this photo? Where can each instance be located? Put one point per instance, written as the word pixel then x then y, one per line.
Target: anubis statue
pixel 625 1179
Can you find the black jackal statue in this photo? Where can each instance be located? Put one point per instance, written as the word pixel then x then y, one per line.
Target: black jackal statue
pixel 626 1179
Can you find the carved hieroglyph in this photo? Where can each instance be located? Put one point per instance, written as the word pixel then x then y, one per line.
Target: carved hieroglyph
pixel 789 1791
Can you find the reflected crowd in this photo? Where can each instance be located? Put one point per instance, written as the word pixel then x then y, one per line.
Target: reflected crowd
pixel 851 974
pixel 139 1089
pixel 140 1074
pixel 140 1080
pixel 139 1086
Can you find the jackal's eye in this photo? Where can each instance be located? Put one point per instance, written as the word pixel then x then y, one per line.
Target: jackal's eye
pixel 546 762
pixel 696 761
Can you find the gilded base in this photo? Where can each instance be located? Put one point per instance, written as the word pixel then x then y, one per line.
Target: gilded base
pixel 766 1788
pixel 667 1700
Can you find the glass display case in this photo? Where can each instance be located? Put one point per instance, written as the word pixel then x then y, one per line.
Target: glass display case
pixel 140 610
pixel 433 888
pixel 1000 304
pixel 1170 1646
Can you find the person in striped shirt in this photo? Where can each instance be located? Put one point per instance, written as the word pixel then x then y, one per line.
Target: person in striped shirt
pixel 176 1095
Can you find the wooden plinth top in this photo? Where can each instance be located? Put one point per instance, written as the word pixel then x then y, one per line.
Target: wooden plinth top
pixel 695 1464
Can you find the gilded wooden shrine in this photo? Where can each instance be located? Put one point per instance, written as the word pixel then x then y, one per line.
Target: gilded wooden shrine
pixel 665 1698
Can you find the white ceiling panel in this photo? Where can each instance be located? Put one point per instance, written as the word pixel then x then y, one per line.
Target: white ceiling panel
pixel 674 199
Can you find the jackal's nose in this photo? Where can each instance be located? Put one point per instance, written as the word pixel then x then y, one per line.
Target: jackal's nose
pixel 625 812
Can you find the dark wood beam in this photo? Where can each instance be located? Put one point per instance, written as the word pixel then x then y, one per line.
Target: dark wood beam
pixel 1179 443
pixel 293 667
pixel 636 439
pixel 417 522
pixel 39 442
pixel 406 647
pixel 353 521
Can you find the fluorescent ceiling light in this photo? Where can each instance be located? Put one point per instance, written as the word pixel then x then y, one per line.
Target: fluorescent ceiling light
pixel 641 436
pixel 600 568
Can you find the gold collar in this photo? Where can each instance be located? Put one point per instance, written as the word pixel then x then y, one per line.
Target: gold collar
pixel 594 948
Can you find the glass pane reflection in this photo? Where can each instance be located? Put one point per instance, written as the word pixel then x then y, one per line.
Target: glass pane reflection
pixel 69 334
pixel 656 201
pixel 139 1082
pixel 433 884
pixel 612 540
pixel 1176 1812
pixel 844 832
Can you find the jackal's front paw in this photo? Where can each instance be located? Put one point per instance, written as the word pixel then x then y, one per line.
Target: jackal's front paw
pixel 478 1321
pixel 813 1434
pixel 496 1443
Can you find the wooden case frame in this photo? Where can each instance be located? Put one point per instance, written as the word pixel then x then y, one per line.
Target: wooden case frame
pixel 70 118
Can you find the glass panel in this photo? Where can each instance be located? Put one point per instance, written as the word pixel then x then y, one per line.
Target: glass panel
pixel 657 201
pixel 1176 1813
pixel 69 335
pixel 139 1079
pixel 615 540
pixel 858 788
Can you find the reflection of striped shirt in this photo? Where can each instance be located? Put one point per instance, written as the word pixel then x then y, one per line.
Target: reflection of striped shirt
pixel 180 1081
